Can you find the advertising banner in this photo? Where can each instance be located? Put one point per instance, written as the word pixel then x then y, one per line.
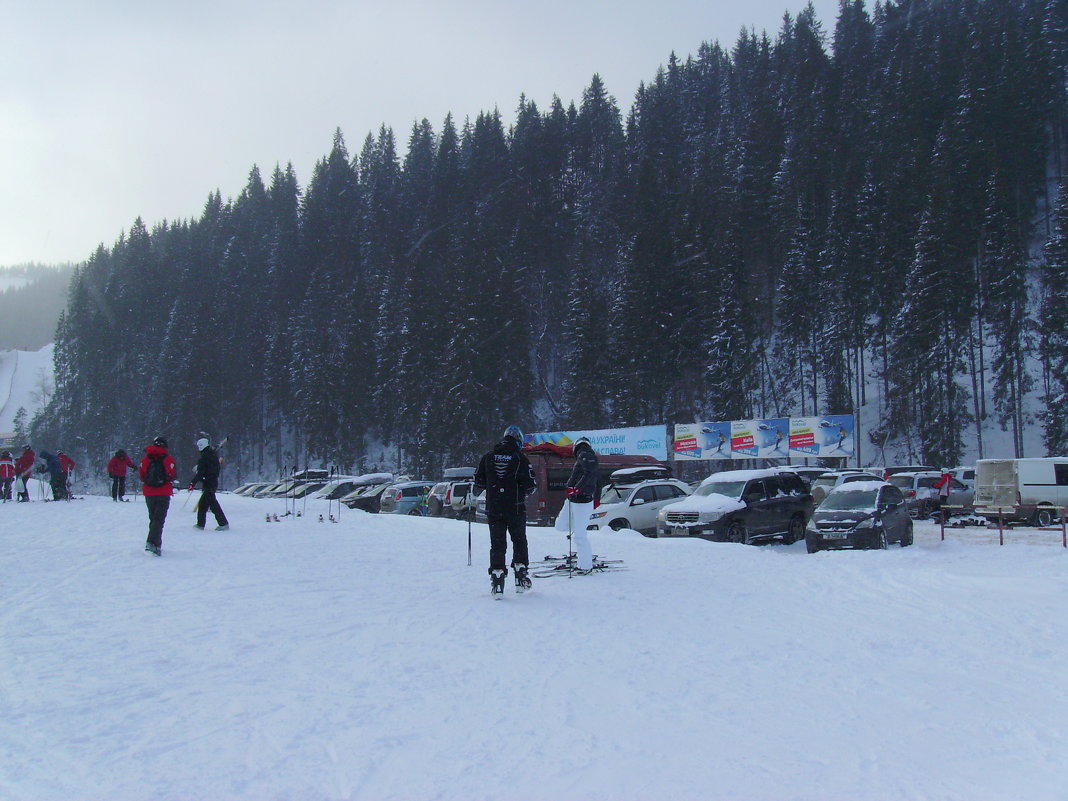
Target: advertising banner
pixel 695 441
pixel 776 438
pixel 814 437
pixel 641 440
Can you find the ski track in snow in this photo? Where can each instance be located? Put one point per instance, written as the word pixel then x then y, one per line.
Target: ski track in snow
pixel 366 660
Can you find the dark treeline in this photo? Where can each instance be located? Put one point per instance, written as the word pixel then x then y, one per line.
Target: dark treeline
pixel 770 230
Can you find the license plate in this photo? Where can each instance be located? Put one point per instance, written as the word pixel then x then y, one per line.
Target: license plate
pixel 681 531
pixel 834 535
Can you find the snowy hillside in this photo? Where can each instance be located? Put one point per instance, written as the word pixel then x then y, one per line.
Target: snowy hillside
pixel 21 374
pixel 366 660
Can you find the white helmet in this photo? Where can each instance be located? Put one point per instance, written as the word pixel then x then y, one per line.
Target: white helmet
pixel 202 443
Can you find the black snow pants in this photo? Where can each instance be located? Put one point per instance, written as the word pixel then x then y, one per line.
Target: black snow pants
pixel 208 502
pixel 118 487
pixel 157 514
pixel 515 525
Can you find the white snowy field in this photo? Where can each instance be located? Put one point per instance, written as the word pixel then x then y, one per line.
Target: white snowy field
pixel 365 660
pixel 22 374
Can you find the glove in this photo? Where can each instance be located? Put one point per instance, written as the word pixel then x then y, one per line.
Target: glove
pixel 571 492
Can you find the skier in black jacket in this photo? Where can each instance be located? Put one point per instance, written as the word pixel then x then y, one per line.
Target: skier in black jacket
pixel 581 499
pixel 507 477
pixel 207 473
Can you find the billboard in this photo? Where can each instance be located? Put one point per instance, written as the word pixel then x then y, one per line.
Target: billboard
pixel 775 438
pixel 641 440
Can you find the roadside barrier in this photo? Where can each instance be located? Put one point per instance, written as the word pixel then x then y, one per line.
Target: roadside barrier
pixel 1001 522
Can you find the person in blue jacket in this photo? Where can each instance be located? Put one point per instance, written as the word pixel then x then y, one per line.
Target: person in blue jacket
pixel 56 477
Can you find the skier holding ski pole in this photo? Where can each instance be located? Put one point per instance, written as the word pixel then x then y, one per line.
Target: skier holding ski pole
pixel 581 499
pixel 207 473
pixel 507 477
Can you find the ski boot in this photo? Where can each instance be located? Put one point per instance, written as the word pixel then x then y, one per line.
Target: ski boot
pixel 522 578
pixel 497 583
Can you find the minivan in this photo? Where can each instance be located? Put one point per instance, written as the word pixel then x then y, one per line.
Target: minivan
pixel 1021 490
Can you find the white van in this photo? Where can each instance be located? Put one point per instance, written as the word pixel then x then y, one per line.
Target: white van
pixel 1021 490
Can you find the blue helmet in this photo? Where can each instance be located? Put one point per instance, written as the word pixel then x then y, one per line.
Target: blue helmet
pixel 515 432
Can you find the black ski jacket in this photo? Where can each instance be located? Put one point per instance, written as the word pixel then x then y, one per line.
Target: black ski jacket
pixel 207 471
pixel 507 477
pixel 584 476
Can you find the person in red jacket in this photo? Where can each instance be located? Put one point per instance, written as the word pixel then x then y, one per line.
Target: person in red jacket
pixel 66 465
pixel 23 469
pixel 117 471
pixel 157 471
pixel 7 475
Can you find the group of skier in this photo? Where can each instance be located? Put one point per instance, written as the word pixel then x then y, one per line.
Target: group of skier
pixel 507 477
pixel 15 473
pixel 159 472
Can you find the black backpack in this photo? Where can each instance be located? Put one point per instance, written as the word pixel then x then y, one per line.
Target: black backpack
pixel 156 474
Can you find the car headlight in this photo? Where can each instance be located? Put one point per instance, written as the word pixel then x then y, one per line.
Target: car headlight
pixel 868 522
pixel 597 515
pixel 710 517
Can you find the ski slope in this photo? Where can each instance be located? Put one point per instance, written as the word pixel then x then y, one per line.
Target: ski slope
pixel 20 378
pixel 366 660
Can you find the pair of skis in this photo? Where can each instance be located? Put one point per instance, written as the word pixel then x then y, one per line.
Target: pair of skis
pixel 567 565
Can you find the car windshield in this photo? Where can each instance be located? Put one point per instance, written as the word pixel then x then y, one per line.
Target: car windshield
pixel 901 482
pixel 852 499
pixel 825 481
pixel 614 494
pixel 732 489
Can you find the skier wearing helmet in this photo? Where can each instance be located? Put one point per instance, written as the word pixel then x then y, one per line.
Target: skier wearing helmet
pixel 507 477
pixel 581 498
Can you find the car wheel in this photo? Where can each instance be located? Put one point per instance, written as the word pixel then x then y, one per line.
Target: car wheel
pixel 736 533
pixel 415 512
pixel 812 545
pixel 795 531
pixel 1043 517
pixel 879 543
pixel 906 538
pixel 616 525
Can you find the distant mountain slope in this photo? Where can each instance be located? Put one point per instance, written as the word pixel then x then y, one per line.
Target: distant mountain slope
pixel 31 300
pixel 21 376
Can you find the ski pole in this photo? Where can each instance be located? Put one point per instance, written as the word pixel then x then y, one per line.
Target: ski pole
pixel 570 542
pixel 469 540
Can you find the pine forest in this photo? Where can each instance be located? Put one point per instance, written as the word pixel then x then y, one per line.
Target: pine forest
pixel 770 229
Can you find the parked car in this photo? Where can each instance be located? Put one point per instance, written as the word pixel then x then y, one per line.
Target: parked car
pixel 336 489
pixel 306 488
pixel 834 478
pixel 268 490
pixel 965 475
pixel 435 500
pixel 552 467
pixel 744 506
pixel 459 499
pixel 367 491
pixel 1021 490
pixel 251 488
pixel 922 496
pixel 635 506
pixel 860 514
pixel 807 474
pixel 405 498
pixel 905 468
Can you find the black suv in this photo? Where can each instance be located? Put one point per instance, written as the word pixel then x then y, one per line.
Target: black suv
pixel 860 515
pixel 746 506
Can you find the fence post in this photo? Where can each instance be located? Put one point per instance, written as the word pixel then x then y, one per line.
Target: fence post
pixel 1064 530
pixel 942 522
pixel 1001 526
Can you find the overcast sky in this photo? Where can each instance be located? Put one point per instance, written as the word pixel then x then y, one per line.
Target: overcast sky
pixel 115 109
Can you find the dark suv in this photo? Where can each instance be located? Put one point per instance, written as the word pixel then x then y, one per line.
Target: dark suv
pixel 745 506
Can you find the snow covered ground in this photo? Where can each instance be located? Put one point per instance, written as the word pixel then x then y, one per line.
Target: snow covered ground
pixel 366 660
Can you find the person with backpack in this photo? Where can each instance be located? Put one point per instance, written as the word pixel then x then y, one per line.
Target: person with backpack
pixel 157 471
pixel 56 478
pixel 117 465
pixel 7 476
pixel 207 473
pixel 23 470
pixel 507 477
pixel 581 498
